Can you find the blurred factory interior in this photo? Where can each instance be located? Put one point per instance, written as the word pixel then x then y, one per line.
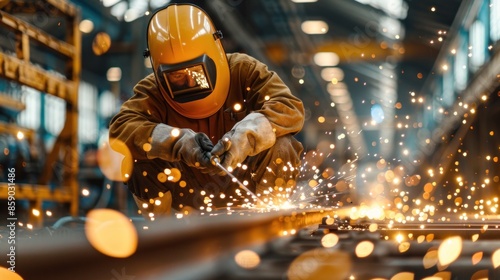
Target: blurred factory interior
pixel 401 101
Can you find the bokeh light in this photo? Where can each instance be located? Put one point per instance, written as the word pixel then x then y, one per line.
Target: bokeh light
pixel 115 160
pixel 403 276
pixel 6 274
pixel 315 264
pixel 329 240
pixel 364 249
pixel 449 250
pixel 111 233
pixel 247 259
pixel 495 258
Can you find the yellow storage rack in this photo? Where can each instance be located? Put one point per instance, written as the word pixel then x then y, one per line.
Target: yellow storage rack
pixel 20 68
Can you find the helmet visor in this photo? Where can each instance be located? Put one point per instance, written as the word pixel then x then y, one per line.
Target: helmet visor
pixel 188 81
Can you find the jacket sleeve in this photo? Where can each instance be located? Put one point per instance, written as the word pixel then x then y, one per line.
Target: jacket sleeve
pixel 270 96
pixel 134 123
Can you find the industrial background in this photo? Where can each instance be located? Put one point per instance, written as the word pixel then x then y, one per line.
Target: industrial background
pixel 402 109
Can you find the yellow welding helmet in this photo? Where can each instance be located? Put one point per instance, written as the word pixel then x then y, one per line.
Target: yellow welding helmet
pixel 188 60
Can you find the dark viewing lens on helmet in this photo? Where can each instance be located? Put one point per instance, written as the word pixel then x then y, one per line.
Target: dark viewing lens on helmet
pixel 189 81
pixel 187 78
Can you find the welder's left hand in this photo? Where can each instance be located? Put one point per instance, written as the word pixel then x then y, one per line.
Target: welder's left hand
pixel 206 147
pixel 250 136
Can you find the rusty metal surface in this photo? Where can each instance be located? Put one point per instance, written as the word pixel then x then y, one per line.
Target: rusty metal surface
pixel 204 247
pixel 165 246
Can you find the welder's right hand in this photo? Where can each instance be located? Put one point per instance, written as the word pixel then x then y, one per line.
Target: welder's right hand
pixel 180 144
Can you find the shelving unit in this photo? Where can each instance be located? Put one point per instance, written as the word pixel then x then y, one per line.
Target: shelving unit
pixel 21 68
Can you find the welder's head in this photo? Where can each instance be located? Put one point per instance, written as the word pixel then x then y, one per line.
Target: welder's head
pixel 188 60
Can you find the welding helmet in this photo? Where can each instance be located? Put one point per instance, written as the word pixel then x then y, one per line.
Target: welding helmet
pixel 188 59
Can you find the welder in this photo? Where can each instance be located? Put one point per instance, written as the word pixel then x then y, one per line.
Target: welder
pixel 202 103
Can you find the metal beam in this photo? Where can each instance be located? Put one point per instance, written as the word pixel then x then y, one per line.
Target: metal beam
pixel 165 246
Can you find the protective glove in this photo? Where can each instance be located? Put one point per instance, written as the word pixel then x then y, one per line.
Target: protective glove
pixel 181 144
pixel 250 136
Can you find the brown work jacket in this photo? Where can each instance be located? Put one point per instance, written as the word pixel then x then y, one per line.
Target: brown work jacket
pixel 252 85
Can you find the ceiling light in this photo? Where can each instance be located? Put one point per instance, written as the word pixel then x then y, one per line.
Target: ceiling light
pixel 395 8
pixel 86 26
pixel 330 73
pixel 109 3
pixel 326 59
pixel 155 4
pixel 391 28
pixel 304 1
pixel 114 74
pixel 139 5
pixel 132 14
pixel 119 9
pixel 314 27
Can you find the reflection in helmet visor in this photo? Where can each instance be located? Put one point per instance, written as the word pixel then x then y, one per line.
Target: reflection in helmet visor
pixel 188 81
pixel 187 78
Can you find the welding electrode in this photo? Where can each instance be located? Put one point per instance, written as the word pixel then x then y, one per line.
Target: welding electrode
pixel 215 160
